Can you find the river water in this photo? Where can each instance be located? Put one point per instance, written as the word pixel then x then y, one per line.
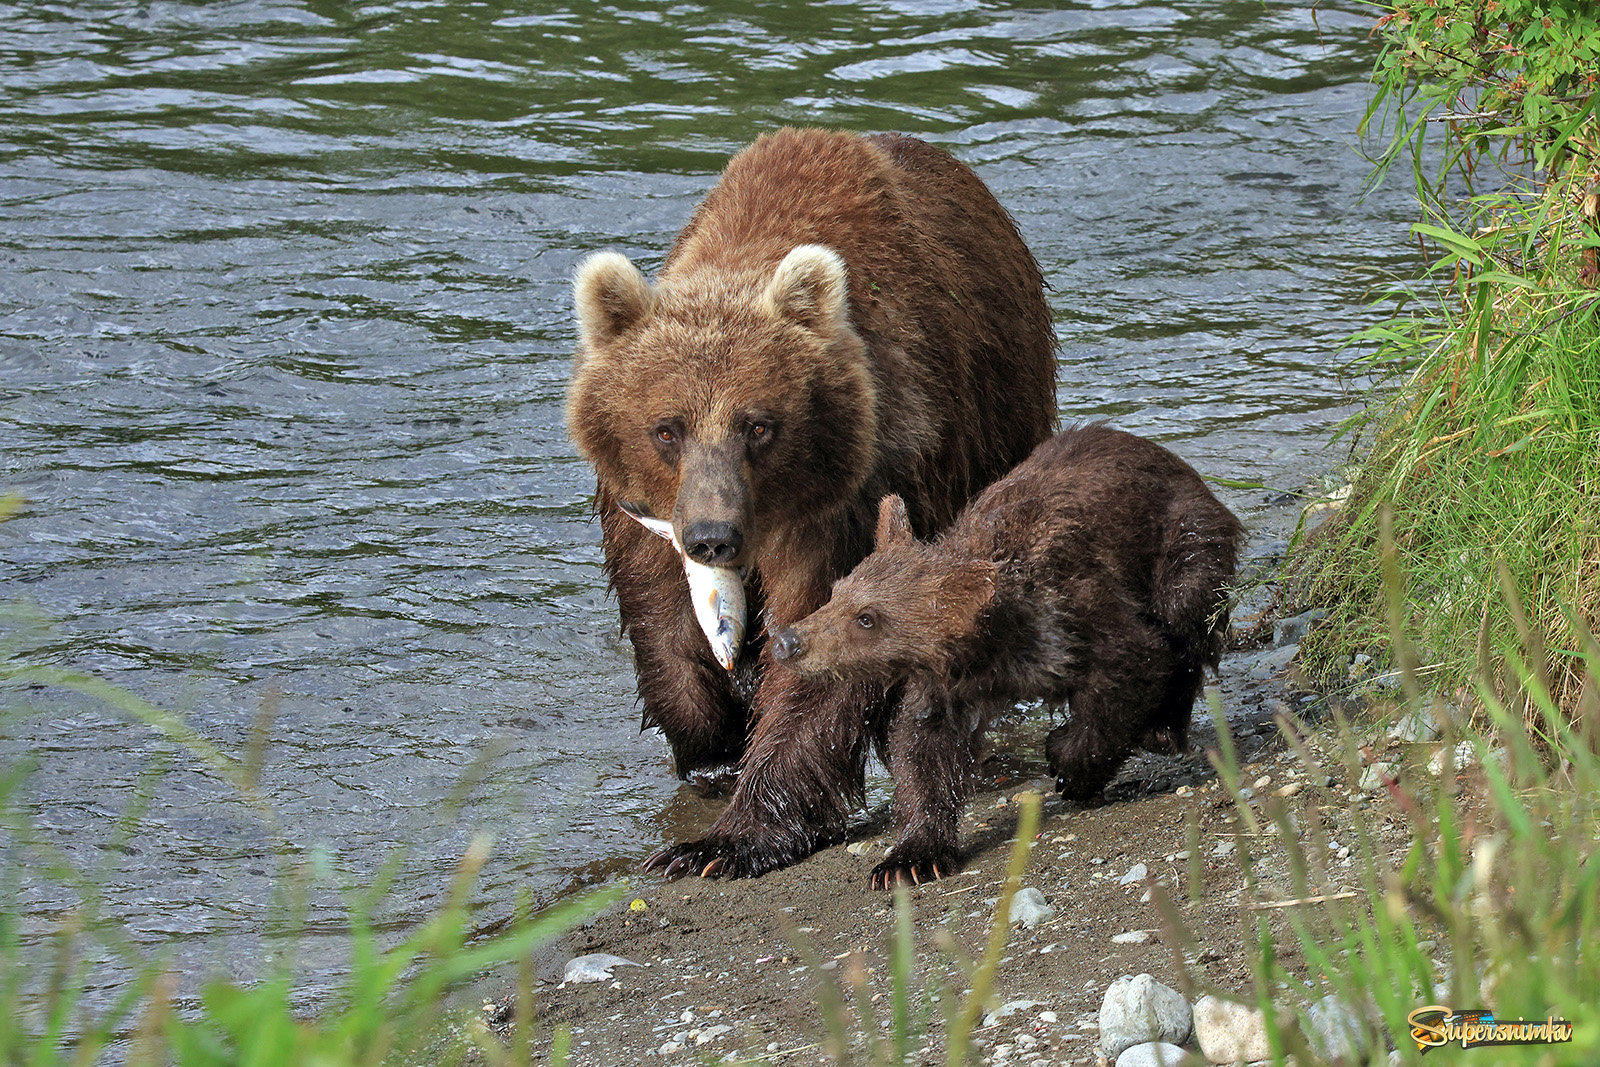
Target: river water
pixel 284 332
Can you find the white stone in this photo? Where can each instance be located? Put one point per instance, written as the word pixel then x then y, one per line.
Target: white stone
pixel 1136 873
pixel 669 1048
pixel 1138 1009
pixel 1417 726
pixel 1029 908
pixel 1154 1054
pixel 1008 1009
pixel 1375 776
pixel 595 967
pixel 1131 937
pixel 711 1033
pixel 1229 1032
pixel 1465 756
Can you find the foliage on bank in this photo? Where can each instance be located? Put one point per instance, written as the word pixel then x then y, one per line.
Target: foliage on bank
pixel 1488 452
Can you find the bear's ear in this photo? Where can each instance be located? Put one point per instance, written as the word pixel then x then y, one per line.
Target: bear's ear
pixel 611 296
pixel 894 525
pixel 811 287
pixel 966 591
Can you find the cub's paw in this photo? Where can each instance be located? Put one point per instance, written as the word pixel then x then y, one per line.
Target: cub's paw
pixel 717 858
pixel 909 866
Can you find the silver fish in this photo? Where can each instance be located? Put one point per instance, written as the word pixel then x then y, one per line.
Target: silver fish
pixel 716 592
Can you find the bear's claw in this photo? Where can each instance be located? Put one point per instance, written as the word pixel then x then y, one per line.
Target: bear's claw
pixel 713 858
pixel 907 870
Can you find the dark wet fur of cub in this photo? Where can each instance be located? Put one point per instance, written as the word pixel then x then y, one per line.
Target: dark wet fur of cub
pixel 1094 574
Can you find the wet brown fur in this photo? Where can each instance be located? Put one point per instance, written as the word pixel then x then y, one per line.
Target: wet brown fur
pixel 924 368
pixel 1095 575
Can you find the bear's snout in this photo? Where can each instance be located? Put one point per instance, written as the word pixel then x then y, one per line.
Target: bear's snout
pixel 787 645
pixel 715 544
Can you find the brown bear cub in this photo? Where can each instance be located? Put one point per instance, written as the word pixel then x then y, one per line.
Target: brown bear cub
pixel 1096 574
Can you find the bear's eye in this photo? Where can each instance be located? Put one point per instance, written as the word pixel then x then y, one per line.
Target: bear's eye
pixel 761 432
pixel 866 620
pixel 666 435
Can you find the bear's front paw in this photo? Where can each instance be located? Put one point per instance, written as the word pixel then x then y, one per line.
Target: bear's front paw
pixel 908 865
pixel 716 857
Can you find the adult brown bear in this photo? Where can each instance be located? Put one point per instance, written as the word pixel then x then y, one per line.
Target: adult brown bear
pixel 843 317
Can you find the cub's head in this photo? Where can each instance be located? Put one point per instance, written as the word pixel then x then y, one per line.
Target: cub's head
pixel 729 400
pixel 907 607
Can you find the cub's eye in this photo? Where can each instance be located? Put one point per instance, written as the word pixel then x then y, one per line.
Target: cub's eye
pixel 866 620
pixel 666 435
pixel 760 431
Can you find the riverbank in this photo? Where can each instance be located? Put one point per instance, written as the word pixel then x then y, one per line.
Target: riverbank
pixel 718 967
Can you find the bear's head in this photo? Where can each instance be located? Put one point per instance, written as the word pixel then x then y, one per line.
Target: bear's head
pixel 907 607
pixel 732 401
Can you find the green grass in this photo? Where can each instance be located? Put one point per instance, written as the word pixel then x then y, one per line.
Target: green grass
pixel 389 1010
pixel 1495 902
pixel 1487 453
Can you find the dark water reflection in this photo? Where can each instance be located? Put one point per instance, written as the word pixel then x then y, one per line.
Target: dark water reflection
pixel 284 326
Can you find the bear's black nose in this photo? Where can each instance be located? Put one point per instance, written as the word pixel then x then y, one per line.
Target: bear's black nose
pixel 715 544
pixel 786 644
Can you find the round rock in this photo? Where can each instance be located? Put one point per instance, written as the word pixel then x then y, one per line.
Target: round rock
pixel 1154 1054
pixel 1138 1009
pixel 1229 1032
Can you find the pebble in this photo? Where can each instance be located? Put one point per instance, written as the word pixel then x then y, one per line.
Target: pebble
pixel 1137 1009
pixel 669 1048
pixel 1288 790
pixel 1417 726
pixel 1262 782
pixel 1376 777
pixel 595 967
pixel 1292 631
pixel 1030 908
pixel 1223 848
pixel 1047 1016
pixel 1465 756
pixel 1136 873
pixel 711 1033
pixel 1154 1054
pixel 1008 1009
pixel 1229 1031
pixel 1131 937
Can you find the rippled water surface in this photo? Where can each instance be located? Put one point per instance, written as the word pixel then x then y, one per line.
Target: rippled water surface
pixel 284 327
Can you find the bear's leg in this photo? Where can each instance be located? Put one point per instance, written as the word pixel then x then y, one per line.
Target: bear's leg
pixel 932 752
pixel 1112 707
pixel 802 775
pixel 686 694
pixel 1169 727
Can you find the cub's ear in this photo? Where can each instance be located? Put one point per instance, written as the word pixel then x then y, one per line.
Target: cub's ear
pixel 811 287
pixel 611 295
pixel 894 525
pixel 967 590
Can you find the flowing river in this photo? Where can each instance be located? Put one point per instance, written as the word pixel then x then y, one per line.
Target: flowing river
pixel 284 332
